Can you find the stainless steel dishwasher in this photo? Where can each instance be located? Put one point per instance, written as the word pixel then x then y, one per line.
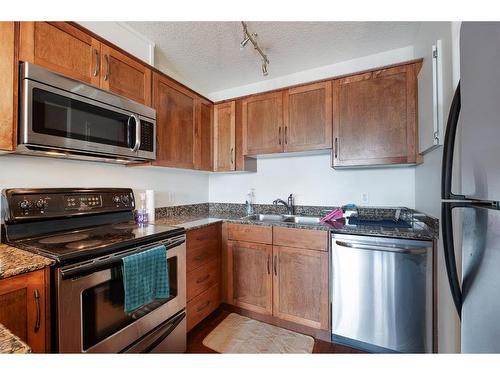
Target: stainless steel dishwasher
pixel 382 293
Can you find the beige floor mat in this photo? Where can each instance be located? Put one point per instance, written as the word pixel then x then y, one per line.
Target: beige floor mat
pixel 238 334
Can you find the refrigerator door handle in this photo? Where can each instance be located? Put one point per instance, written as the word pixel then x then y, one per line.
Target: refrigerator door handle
pixel 449 146
pixel 449 254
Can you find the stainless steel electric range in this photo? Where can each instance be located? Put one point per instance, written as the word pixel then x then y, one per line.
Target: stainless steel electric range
pixel 88 232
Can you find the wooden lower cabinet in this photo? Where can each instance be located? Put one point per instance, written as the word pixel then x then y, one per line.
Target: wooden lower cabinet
pixel 281 278
pixel 24 308
pixel 202 305
pixel 203 247
pixel 249 276
pixel 300 286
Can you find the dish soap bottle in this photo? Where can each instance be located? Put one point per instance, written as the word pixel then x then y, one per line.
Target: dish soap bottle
pixel 249 202
pixel 141 216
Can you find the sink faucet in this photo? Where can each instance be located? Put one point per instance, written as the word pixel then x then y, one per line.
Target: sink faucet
pixel 289 205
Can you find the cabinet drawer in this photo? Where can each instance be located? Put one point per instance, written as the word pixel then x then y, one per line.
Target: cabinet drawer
pixel 201 306
pixel 202 278
pixel 250 233
pixel 301 238
pixel 202 246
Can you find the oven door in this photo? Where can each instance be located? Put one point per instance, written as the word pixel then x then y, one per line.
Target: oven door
pixel 57 120
pixel 91 317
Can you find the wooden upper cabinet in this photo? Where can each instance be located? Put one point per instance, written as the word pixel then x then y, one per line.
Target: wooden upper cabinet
pixel 203 144
pixel 225 136
pixel 308 117
pixel 24 304
pixel 125 76
pixel 374 118
pixel 262 118
pixel 249 276
pixel 300 283
pixel 175 123
pixel 62 48
pixel 9 86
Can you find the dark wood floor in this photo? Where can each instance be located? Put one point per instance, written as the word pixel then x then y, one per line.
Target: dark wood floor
pixel 196 335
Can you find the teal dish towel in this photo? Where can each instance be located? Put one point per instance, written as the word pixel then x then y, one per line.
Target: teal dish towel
pixel 145 278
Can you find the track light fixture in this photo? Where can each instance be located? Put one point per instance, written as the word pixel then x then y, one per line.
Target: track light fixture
pixel 247 37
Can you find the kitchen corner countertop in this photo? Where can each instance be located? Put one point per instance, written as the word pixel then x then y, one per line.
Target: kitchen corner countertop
pixel 15 261
pixel 418 231
pixel 11 344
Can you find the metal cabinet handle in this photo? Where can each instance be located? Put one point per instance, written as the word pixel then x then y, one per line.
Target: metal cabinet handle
pixel 97 63
pixel 279 135
pixel 276 265
pixel 336 148
pixel 232 157
pixel 36 328
pixel 202 279
pixel 108 69
pixel 269 264
pixel 202 307
pixel 286 135
pixel 400 250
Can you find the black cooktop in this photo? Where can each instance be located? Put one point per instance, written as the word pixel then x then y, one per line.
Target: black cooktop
pixel 77 245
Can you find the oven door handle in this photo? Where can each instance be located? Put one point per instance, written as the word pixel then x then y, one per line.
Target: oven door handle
pixel 108 261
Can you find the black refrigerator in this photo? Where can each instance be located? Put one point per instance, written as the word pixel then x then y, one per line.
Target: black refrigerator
pixel 474 127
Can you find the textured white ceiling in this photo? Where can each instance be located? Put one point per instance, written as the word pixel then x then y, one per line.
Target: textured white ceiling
pixel 207 55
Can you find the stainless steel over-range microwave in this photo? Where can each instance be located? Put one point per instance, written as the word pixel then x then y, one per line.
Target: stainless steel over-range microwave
pixel 63 117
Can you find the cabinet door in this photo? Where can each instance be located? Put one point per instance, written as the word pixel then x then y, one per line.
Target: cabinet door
pixel 375 118
pixel 301 286
pixel 249 277
pixel 8 83
pixel 224 136
pixel 175 123
pixel 308 117
pixel 22 308
pixel 125 76
pixel 203 135
pixel 262 117
pixel 61 48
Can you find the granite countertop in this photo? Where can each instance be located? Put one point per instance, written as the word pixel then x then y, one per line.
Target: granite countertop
pixel 10 343
pixel 419 229
pixel 15 261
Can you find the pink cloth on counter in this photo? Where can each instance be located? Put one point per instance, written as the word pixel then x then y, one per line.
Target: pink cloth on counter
pixel 332 216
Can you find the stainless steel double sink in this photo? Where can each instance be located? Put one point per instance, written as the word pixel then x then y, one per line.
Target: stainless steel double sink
pixel 296 219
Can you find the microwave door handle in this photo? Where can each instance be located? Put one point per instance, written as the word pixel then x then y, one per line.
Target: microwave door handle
pixel 137 132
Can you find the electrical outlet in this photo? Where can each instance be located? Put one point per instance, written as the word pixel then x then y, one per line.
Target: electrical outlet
pixel 365 198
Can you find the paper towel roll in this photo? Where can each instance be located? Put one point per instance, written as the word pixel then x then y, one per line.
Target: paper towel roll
pixel 150 205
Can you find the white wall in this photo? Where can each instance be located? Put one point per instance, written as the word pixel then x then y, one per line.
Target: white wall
pixel 172 186
pixel 314 182
pixel 428 175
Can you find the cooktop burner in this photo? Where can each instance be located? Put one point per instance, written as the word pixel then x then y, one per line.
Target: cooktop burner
pixel 126 226
pixel 64 238
pixel 80 245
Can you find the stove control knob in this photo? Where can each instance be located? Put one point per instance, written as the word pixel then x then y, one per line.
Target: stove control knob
pixel 25 204
pixel 41 204
pixel 116 199
pixel 125 199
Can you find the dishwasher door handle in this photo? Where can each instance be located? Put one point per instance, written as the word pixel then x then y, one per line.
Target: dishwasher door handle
pixel 411 251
